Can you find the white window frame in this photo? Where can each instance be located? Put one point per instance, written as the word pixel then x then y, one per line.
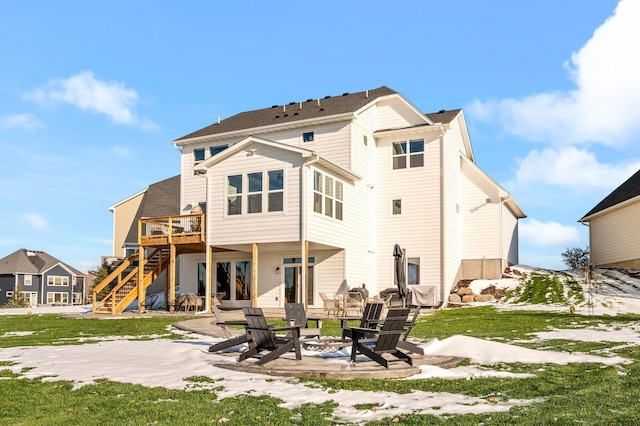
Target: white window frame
pixel 51 297
pixel 264 192
pixel 51 281
pixel 9 293
pixel 31 296
pixel 330 195
pixel 419 272
pixel 77 298
pixel 28 280
pixel 407 155
pixel 393 205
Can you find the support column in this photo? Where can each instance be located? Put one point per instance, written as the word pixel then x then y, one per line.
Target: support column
pixel 140 281
pixel 254 275
pixel 305 274
pixel 209 270
pixel 172 278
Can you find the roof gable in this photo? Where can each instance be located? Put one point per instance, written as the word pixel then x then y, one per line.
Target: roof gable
pixel 628 190
pixel 31 262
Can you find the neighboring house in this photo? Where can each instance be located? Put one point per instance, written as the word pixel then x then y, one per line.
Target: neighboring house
pixel 159 199
pixel 43 279
pixel 305 196
pixel 614 231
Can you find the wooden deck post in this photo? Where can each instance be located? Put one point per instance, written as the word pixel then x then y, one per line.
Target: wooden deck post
pixel 254 276
pixel 140 284
pixel 172 277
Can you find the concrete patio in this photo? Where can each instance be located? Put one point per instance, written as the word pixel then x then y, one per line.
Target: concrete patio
pixel 310 366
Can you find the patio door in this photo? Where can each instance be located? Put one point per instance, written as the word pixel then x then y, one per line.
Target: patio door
pixel 233 282
pixel 293 287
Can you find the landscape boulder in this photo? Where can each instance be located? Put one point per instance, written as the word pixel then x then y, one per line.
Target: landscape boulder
pixel 454 298
pixel 484 298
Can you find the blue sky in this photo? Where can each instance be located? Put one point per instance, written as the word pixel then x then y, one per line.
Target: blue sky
pixel 92 95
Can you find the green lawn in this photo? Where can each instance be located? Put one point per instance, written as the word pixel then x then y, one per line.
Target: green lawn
pixel 571 394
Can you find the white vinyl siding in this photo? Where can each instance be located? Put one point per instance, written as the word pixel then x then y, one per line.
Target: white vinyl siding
pixel 255 228
pixel 509 236
pixel 394 114
pixel 418 228
pixel 615 235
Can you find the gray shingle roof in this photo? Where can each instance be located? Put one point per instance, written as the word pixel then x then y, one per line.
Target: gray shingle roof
pixel 161 199
pixel 628 190
pixel 31 262
pixel 443 116
pixel 328 105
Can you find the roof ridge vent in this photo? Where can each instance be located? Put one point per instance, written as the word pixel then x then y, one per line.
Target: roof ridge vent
pixel 441 111
pixel 345 93
pixel 327 97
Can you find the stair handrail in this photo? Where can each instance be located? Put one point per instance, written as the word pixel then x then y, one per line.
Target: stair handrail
pixel 108 280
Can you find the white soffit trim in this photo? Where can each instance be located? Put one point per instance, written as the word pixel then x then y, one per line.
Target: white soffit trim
pixel 233 149
pixel 504 194
pixel 113 207
pixel 610 209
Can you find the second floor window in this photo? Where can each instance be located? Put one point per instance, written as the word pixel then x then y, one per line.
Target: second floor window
pixel 258 189
pixel 198 155
pixel 54 280
pixel 327 195
pixel 408 154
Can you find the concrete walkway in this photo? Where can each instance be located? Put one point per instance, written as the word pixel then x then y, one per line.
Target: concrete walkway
pixel 310 366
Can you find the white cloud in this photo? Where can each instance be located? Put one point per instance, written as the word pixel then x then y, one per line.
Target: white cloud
pixel 572 168
pixel 86 92
pixel 24 121
pixel 121 151
pixel 547 233
pixel 605 104
pixel 35 220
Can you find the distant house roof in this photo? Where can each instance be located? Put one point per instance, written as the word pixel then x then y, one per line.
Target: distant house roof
pixel 160 199
pixel 294 111
pixel 31 262
pixel 628 190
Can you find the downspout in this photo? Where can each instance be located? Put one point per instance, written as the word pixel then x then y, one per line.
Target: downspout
pixel 501 219
pixel 303 223
pixel 207 267
pixel 443 257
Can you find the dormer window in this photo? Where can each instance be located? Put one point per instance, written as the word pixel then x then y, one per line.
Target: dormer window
pixel 308 137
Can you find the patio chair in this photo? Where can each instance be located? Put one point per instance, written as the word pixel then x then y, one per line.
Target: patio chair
pixel 193 302
pixel 351 302
pixel 179 303
pixel 296 315
pixel 370 318
pixel 329 305
pixel 408 326
pixel 264 338
pixel 386 342
pixel 224 325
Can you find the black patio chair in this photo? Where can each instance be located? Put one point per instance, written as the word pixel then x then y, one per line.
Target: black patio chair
pixel 224 325
pixel 264 338
pixel 370 318
pixel 408 326
pixel 296 315
pixel 385 343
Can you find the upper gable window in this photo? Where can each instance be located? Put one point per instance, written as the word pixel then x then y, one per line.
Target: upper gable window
pixel 408 154
pixel 198 155
pixel 217 149
pixel 308 137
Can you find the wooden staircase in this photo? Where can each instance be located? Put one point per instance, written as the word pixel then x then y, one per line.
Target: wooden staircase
pixel 120 288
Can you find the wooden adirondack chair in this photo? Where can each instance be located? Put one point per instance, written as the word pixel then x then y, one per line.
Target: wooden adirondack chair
pixel 386 342
pixel 408 326
pixel 370 318
pixel 264 338
pixel 231 339
pixel 297 316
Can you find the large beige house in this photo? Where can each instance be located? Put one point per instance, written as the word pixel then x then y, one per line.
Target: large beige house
pixel 305 198
pixel 614 234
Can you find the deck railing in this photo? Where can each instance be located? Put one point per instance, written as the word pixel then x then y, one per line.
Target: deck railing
pixel 188 228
